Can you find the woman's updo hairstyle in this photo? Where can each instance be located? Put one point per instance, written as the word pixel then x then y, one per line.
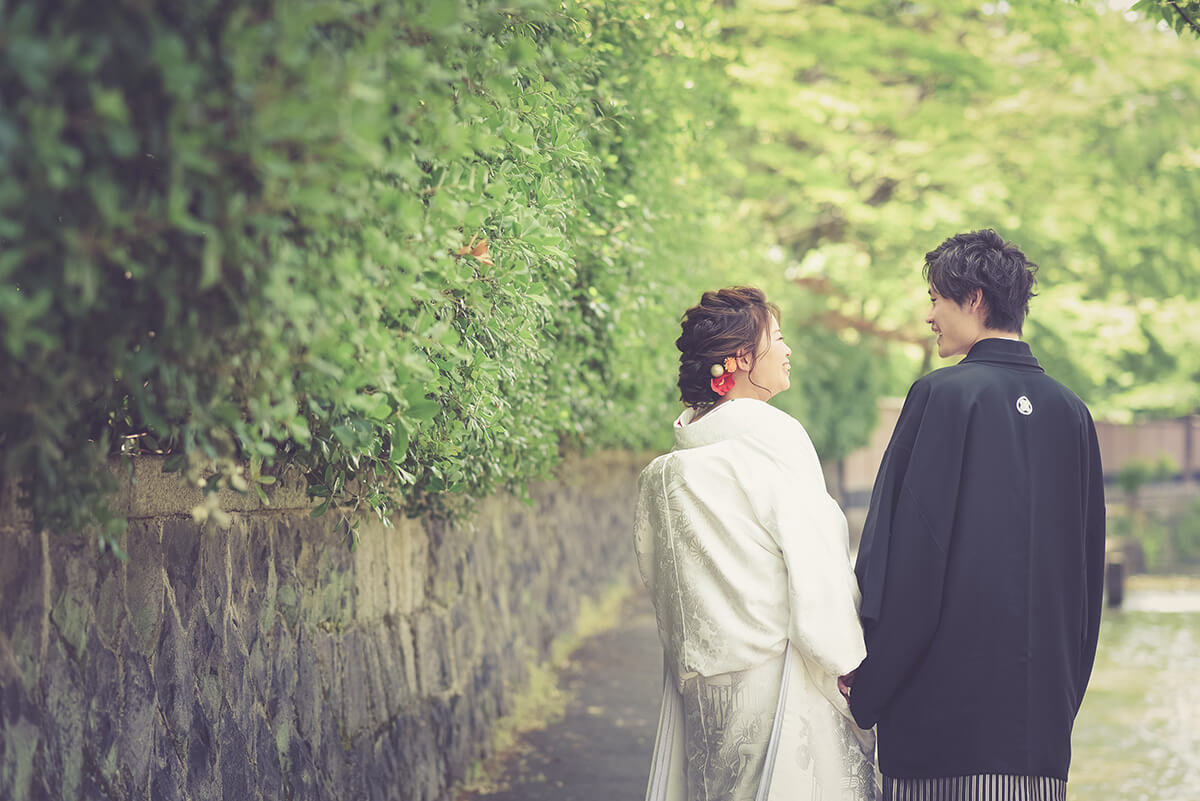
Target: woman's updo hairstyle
pixel 727 322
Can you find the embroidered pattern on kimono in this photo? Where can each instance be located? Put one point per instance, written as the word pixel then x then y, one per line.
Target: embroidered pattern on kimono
pixel 746 558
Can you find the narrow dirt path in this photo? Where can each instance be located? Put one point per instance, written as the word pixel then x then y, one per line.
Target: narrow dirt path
pixel 600 750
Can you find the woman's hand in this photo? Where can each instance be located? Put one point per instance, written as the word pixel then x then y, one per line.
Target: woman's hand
pixel 845 683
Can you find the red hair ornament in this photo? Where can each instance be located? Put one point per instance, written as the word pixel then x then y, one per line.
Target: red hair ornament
pixel 722 376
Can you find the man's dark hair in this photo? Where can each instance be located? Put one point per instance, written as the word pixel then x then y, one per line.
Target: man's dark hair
pixel 983 260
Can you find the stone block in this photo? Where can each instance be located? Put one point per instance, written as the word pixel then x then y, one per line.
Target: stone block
pixel 303 779
pixel 331 665
pixel 404 648
pixel 374 676
pixel 94 785
pixel 236 681
pixel 153 493
pixel 435 672
pixel 259 672
pixel 181 560
pixel 356 718
pixel 383 662
pixel 265 577
pixel 330 758
pixel 73 590
pixel 21 733
pixel 466 629
pixel 233 760
pixel 267 773
pixel 282 721
pixel 285 673
pixel 104 683
pixel 213 593
pixel 459 740
pixel 446 567
pixel 420 767
pixel 260 546
pixel 286 538
pixel 25 575
pixel 173 670
pixel 287 600
pixel 65 704
pixel 168 781
pixel 145 582
pixel 408 546
pixel 487 686
pixel 371 569
pixel 309 693
pixel 325 572
pixel 209 667
pixel 241 576
pixel 202 749
pixel 138 720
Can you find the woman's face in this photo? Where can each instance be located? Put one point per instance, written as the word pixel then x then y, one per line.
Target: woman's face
pixel 771 372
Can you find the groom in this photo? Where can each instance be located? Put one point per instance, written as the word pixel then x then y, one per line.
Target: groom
pixel 982 555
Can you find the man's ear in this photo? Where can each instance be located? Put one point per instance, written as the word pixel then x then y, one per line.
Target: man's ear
pixel 975 300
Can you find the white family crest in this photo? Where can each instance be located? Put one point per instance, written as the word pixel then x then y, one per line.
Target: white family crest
pixel 1024 406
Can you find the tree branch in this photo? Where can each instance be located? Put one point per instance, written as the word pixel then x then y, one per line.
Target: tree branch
pixel 838 320
pixel 1191 22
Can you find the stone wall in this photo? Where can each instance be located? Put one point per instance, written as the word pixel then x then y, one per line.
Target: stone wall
pixel 269 661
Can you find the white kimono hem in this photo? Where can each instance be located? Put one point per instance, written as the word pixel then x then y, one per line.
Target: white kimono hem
pixel 812 750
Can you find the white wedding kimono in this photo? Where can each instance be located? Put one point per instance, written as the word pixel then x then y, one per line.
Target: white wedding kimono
pixel 747 560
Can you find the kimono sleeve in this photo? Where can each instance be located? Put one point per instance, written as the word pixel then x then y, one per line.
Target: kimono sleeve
pixel 1094 533
pixel 810 531
pixel 903 556
pixel 873 545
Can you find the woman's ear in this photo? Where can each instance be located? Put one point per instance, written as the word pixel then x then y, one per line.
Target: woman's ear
pixel 745 361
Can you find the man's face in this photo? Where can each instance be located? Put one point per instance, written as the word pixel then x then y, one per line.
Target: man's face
pixel 958 325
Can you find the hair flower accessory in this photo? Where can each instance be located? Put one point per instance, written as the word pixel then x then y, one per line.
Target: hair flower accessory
pixel 722 375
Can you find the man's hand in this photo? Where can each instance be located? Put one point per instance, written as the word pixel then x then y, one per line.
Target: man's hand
pixel 845 683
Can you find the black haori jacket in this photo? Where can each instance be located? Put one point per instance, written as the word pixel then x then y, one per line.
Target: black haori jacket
pixel 981 567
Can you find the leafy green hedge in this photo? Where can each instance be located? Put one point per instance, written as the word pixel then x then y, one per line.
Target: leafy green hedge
pixel 243 232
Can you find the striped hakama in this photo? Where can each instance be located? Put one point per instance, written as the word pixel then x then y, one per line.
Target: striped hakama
pixel 979 787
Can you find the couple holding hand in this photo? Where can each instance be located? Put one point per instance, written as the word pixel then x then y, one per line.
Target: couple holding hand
pixel 962 639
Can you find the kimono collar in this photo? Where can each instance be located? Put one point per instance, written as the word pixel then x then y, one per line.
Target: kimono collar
pixel 729 420
pixel 1002 351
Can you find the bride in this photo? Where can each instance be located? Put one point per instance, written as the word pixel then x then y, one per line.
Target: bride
pixel 746 558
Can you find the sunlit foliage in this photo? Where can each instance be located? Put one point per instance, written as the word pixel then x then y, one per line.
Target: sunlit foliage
pixel 416 248
pixel 423 248
pixel 872 130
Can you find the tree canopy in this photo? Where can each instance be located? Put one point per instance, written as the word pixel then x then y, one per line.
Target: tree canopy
pixel 422 248
pixel 870 131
